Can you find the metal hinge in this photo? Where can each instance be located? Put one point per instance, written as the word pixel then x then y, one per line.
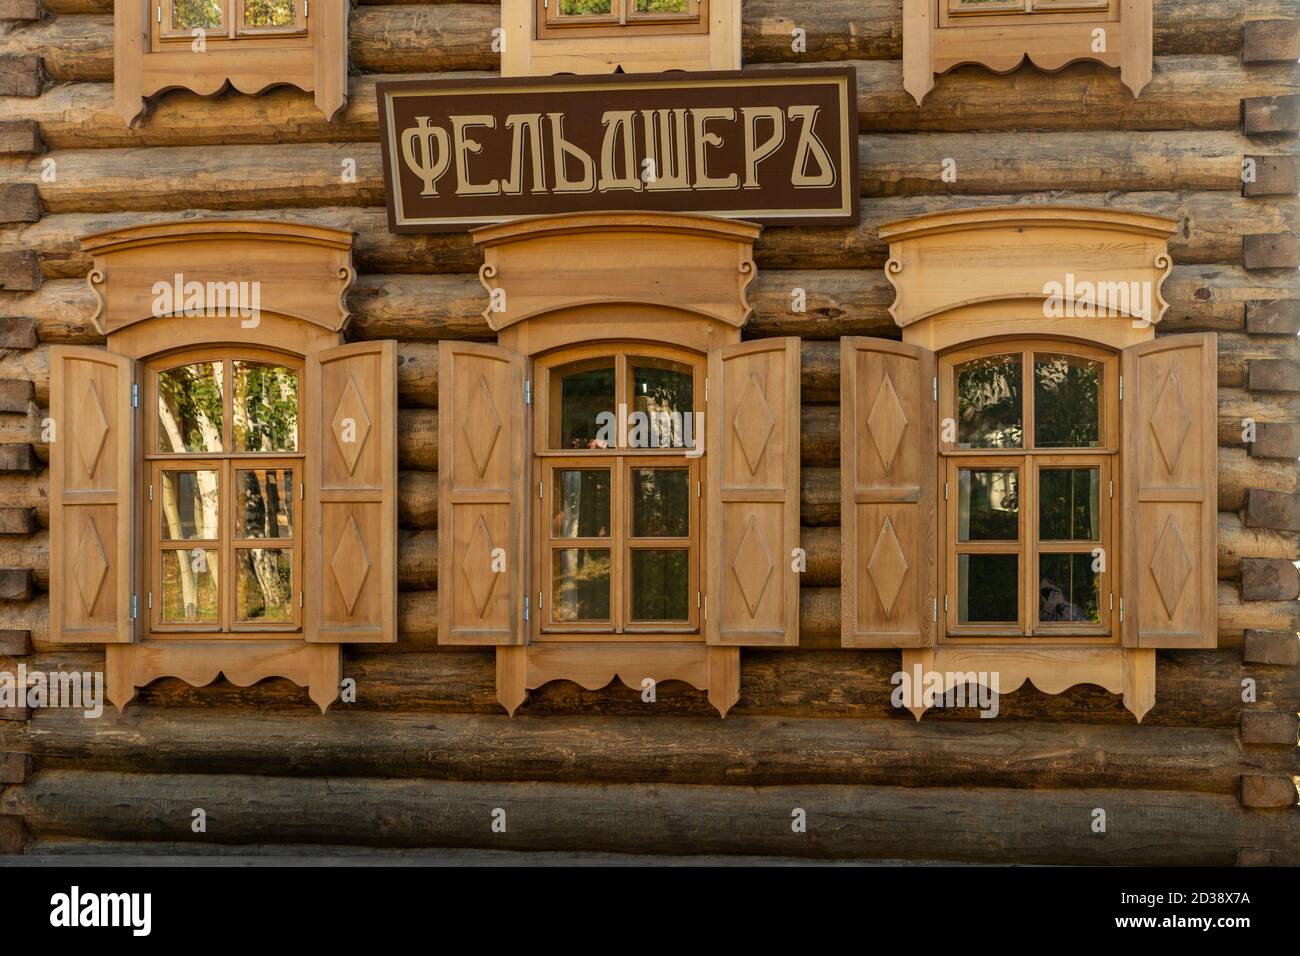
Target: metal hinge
pixel 945 604
pixel 539 490
pixel 150 604
pixel 302 491
pixel 135 607
pixel 151 492
pixel 945 491
pixel 934 609
pixel 304 9
pixel 698 490
pixel 699 599
pixel 539 600
pixel 528 391
pixel 1121 610
pixel 159 12
pixel 706 389
pixel 1110 489
pixel 135 395
pixel 934 389
pixel 1112 600
pixel 300 599
pixel 1121 388
pixel 526 600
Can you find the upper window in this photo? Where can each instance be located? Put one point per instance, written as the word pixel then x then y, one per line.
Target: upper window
pixel 225 485
pixel 615 17
pixel 620 525
pixel 1028 483
pixel 229 19
pixel 987 7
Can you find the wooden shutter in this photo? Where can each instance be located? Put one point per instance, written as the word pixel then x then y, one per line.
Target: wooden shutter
pixel 753 506
pixel 351 573
pixel 1170 501
pixel 482 495
pixel 92 496
pixel 887 494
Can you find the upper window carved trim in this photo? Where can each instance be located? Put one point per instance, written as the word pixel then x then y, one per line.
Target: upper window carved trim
pixel 945 262
pixel 249 46
pixel 618 35
pixel 1001 34
pixel 304 272
pixel 695 264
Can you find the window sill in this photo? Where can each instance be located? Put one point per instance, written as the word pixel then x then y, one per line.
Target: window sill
pixel 1130 672
pixel 316 667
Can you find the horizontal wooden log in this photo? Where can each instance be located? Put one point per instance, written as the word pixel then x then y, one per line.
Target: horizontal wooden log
pixel 1268 729
pixel 1272 375
pixel 1275 648
pixel 1270 40
pixel 15 584
pixel 891 164
pixel 1212 225
pixel 20 9
pixel 20 138
pixel 15 643
pixel 1268 791
pixel 20 270
pixel 1272 509
pixel 18 520
pixel 1269 579
pixel 1236 541
pixel 1270 114
pixel 18 458
pixel 1278 250
pixel 18 333
pixel 19 202
pixel 1273 317
pixel 14 767
pixel 21 74
pixel 1276 440
pixel 13 835
pixel 986 825
pixel 1187 92
pixel 1272 175
pixel 743 751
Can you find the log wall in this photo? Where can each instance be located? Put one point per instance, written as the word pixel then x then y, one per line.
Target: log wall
pixel 425 753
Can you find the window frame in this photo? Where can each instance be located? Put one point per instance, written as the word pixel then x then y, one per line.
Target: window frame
pixel 153 462
pixel 1030 461
pixel 622 20
pixel 621 461
pixel 161 35
pixel 953 13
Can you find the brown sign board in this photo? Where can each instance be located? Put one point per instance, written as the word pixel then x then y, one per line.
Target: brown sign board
pixel 772 146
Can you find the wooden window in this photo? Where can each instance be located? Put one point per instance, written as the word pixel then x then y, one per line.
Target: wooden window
pixel 962 8
pixel 225 471
pixel 1028 486
pixel 619 516
pixel 558 18
pixel 228 20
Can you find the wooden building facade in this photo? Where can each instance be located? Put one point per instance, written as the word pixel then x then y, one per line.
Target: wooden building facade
pixel 896 416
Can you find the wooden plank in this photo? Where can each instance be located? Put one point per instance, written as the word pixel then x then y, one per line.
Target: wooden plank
pixel 19 270
pixel 1272 509
pixel 1268 791
pixel 15 643
pixel 18 332
pixel 1266 729
pixel 1272 375
pixel 15 584
pixel 16 395
pixel 1273 317
pixel 1278 648
pixel 17 458
pixel 13 835
pixel 962 824
pixel 1269 579
pixel 1279 250
pixel 14 767
pixel 20 138
pixel 743 751
pixel 1276 440
pixel 1270 41
pixel 19 202
pixel 18 520
pixel 1271 114
pixel 1273 176
pixel 20 74
pixel 20 9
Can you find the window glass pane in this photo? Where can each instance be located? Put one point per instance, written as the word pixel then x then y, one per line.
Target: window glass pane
pixel 189 14
pixel 988 588
pixel 1067 402
pixel 989 408
pixel 660 585
pixel 264 503
pixel 663 392
pixel 583 395
pixel 988 504
pixel 585 8
pixel 265 407
pixel 269 13
pixel 659 6
pixel 189 408
pixel 189 586
pixel 580 584
pixel 661 503
pixel 264 585
pixel 986 6
pixel 1069 504
pixel 189 506
pixel 581 503
pixel 1068 589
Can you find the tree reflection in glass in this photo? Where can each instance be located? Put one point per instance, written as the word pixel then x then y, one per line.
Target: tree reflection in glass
pixel 988 588
pixel 190 408
pixel 197 14
pixel 660 503
pixel 1068 588
pixel 583 395
pixel 1069 504
pixel 989 406
pixel 189 505
pixel 189 586
pixel 664 392
pixel 660 584
pixel 269 13
pixel 988 504
pixel 1067 402
pixel 265 407
pixel 264 585
pixel 581 503
pixel 580 584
